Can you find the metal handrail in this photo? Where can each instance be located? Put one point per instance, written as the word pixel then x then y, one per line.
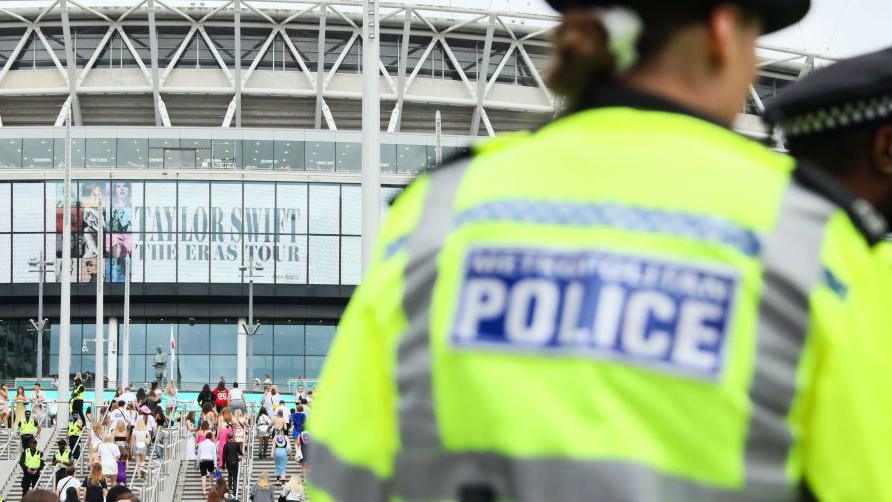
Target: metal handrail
pixel 246 469
pixel 80 461
pixel 14 435
pixel 159 469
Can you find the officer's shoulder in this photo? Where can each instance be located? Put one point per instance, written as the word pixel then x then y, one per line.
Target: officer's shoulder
pixel 863 216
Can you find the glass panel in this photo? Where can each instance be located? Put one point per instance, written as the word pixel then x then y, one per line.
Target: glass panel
pixel 291 205
pixel 193 369
pixel 137 338
pixel 351 254
pixel 388 158
pixel 11 153
pixel 257 154
pixel 224 338
pixel 324 260
pixel 226 207
pixel 263 343
pixel 37 153
pixel 126 198
pixel 77 152
pixel 261 367
pixel 28 207
pixel 411 158
pixel 351 209
pixel 88 340
pixel 226 257
pixel 292 265
pixel 324 209
pixel 157 336
pixel 100 153
pixel 160 235
pixel 138 369
pixel 193 250
pixel 133 153
pixel 290 155
pixel 194 338
pixel 289 339
pixel 27 247
pixel 225 367
pixel 349 157
pixel 319 337
pixel 6 207
pixel 314 366
pixel 5 257
pixel 286 368
pixel 320 156
pixel 225 154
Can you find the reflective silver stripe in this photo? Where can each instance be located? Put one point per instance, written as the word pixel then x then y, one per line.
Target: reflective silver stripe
pixel 343 481
pixel 417 423
pixel 440 476
pixel 791 269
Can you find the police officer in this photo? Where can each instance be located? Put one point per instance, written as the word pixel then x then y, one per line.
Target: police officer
pixel 668 289
pixel 31 462
pixel 840 119
pixel 74 435
pixel 62 459
pixel 28 429
pixel 77 399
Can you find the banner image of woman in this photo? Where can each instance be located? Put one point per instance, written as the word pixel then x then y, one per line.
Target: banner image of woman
pixel 119 251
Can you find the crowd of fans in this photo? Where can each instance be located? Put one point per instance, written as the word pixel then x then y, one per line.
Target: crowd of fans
pixel 124 435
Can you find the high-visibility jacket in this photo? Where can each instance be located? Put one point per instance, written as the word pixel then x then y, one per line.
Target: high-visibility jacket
pixel 631 303
pixel 28 427
pixel 74 428
pixel 63 457
pixel 78 393
pixel 33 460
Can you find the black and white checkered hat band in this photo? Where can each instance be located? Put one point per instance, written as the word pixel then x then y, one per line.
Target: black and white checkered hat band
pixel 839 117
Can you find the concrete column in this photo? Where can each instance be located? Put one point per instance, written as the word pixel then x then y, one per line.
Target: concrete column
pixel 112 353
pixel 241 357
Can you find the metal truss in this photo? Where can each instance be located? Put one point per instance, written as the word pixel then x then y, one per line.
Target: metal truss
pixel 441 25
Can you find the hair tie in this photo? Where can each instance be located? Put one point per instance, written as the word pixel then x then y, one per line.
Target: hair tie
pixel 623 27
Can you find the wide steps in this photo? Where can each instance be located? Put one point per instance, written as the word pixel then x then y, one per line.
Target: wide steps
pixel 189 484
pixel 14 486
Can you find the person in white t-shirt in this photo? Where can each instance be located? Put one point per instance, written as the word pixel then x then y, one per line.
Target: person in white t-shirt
pixel 207 461
pixel 108 457
pixel 69 481
pixel 237 399
pixel 127 396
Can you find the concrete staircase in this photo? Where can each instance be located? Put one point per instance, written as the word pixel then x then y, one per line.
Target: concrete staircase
pixel 48 440
pixel 189 481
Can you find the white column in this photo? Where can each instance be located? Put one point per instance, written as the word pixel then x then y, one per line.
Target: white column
pixel 241 350
pixel 371 127
pixel 112 353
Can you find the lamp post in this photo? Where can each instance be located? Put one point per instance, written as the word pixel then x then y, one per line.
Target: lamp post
pixel 251 330
pixel 65 286
pixel 99 384
pixel 125 359
pixel 41 266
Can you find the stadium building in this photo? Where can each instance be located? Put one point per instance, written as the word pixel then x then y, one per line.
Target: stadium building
pixel 232 135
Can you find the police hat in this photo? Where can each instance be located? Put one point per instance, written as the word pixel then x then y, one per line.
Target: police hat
pixel 775 14
pixel 852 93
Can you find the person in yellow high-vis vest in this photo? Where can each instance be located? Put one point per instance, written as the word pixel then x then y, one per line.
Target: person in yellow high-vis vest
pixel 74 435
pixel 62 459
pixel 28 429
pixel 840 118
pixel 664 289
pixel 31 462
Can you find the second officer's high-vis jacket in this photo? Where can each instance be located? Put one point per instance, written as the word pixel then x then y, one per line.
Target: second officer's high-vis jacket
pixel 630 304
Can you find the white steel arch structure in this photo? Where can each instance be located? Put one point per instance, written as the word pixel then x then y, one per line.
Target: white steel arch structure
pixel 284 63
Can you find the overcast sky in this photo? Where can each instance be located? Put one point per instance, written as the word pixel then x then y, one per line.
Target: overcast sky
pixel 833 27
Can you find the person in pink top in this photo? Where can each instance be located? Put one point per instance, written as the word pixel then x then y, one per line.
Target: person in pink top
pixel 222 438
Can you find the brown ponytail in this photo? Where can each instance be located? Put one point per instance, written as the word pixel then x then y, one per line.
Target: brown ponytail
pixel 581 54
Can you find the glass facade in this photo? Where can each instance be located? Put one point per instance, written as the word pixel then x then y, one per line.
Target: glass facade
pixel 206 349
pixel 174 153
pixel 186 231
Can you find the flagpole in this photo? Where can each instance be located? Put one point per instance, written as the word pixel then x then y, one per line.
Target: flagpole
pixel 173 354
